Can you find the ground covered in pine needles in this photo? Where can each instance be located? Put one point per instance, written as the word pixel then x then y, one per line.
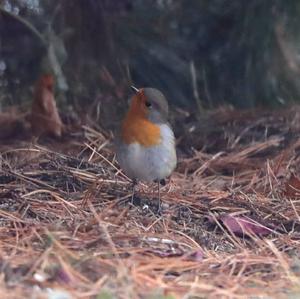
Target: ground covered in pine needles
pixel 229 225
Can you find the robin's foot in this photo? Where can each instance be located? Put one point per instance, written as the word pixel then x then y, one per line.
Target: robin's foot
pixel 163 182
pixel 158 191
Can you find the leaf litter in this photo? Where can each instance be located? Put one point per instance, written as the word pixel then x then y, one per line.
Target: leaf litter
pixel 230 226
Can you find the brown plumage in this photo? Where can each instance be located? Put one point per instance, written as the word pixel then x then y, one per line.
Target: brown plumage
pixel 45 119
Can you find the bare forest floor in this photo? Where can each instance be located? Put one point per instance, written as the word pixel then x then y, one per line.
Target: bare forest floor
pixel 230 226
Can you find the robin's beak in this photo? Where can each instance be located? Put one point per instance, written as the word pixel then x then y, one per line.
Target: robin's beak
pixel 134 89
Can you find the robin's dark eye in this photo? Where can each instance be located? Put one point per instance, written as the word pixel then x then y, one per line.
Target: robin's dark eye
pixel 148 104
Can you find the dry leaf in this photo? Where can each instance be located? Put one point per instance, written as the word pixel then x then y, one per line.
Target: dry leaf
pixel 196 256
pixel 292 187
pixel 244 226
pixel 45 119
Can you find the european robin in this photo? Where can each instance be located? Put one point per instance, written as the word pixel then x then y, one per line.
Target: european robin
pixel 146 145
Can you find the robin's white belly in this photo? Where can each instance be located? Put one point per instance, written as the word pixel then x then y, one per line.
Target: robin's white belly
pixel 149 163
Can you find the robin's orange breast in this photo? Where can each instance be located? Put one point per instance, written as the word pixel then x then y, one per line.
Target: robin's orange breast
pixel 137 128
pixel 140 130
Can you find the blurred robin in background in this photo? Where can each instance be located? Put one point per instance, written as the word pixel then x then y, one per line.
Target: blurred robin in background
pixel 44 117
pixel 146 146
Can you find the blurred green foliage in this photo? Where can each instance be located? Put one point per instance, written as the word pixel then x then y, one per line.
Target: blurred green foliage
pixel 239 52
pixel 105 294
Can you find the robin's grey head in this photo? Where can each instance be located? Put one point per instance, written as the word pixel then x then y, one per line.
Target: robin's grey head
pixel 155 104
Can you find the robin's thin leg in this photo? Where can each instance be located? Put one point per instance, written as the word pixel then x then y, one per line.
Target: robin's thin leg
pixel 163 182
pixel 134 183
pixel 159 202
